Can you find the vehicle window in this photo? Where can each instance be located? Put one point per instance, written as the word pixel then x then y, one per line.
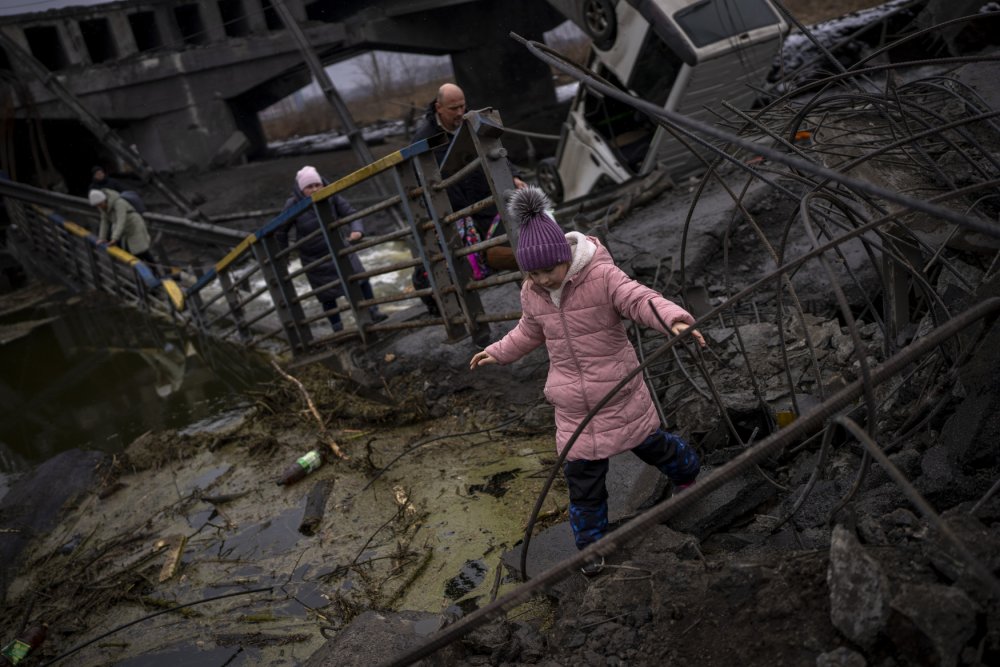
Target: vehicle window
pixel 655 70
pixel 626 131
pixel 715 20
pixel 606 115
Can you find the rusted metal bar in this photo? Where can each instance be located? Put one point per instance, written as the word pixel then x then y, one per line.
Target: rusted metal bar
pixel 639 526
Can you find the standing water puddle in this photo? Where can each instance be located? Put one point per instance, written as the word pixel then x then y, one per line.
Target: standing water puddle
pixel 426 536
pixel 94 375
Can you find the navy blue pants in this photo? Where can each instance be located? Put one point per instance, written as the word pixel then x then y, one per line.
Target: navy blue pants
pixel 329 303
pixel 588 494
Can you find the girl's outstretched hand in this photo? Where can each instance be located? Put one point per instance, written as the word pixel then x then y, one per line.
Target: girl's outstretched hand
pixel 481 359
pixel 679 327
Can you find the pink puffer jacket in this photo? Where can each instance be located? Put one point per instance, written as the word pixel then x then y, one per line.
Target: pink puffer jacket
pixel 589 352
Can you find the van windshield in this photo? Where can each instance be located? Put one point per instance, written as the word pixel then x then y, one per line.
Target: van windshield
pixel 655 70
pixel 715 20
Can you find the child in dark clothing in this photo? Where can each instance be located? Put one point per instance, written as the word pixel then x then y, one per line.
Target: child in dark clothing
pixel 574 300
pixel 314 251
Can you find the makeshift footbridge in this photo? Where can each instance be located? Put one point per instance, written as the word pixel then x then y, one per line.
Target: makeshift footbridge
pixel 255 295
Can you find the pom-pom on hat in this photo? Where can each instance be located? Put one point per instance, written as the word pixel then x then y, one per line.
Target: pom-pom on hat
pixel 307 176
pixel 541 243
pixel 97 197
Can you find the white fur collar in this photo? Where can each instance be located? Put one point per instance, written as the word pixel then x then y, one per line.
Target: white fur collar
pixel 583 251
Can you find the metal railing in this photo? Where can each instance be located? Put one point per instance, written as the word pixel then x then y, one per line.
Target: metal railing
pixel 69 252
pixel 255 293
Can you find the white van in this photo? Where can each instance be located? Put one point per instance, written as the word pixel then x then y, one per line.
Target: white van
pixel 684 55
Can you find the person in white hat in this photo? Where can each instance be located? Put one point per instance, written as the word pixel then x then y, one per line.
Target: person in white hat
pixel 121 225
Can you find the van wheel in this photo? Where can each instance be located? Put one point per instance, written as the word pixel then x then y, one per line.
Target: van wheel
pixel 600 22
pixel 548 179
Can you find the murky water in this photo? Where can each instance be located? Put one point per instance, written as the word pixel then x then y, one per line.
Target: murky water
pixel 96 375
pixel 383 285
pixel 426 536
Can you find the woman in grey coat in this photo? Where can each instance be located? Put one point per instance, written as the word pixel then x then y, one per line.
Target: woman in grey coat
pixel 121 224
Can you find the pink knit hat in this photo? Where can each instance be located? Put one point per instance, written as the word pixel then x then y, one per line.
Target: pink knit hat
pixel 541 242
pixel 307 176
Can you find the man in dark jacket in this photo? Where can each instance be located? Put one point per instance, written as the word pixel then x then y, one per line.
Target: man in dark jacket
pixel 445 114
pixel 308 181
pixel 99 180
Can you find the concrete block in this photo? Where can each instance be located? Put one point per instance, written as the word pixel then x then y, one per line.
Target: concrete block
pixel 374 638
pixel 734 500
pixel 232 150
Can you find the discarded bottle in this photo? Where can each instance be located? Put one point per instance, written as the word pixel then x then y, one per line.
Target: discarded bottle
pixel 305 465
pixel 17 650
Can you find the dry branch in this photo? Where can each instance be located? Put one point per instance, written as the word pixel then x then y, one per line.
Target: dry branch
pixel 327 440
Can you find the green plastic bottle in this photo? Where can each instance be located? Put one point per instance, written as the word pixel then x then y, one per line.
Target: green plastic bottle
pixel 305 465
pixel 17 650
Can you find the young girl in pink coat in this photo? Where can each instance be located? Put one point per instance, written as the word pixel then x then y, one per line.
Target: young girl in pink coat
pixel 574 301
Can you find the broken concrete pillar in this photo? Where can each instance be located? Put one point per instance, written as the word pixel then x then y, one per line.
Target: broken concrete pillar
pixel 859 589
pixel 232 150
pixel 73 44
pixel 121 30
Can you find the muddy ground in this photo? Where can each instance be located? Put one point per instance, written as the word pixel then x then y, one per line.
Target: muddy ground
pixel 183 550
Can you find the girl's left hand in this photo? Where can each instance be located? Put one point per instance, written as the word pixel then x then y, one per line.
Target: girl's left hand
pixel 354 236
pixel 680 327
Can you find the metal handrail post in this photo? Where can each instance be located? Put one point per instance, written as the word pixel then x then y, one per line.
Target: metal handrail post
pixel 195 305
pixel 405 180
pixel 286 302
pixel 485 129
pixel 235 308
pixel 449 240
pixel 439 275
pixel 63 243
pixel 140 291
pixel 334 241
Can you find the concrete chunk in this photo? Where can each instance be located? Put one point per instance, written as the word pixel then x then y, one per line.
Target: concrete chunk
pixel 859 589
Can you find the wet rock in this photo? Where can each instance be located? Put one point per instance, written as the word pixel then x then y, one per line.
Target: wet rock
pixel 938 473
pixel 907 462
pixel 881 500
pixel 972 434
pixel 531 643
pixel 871 531
pixel 661 540
pixel 735 499
pixel 843 348
pixel 900 524
pixel 814 511
pixel 575 640
pixel 718 336
pixel 981 542
pixel 32 505
pixel 488 639
pixel 632 485
pixel 940 617
pixel 859 589
pixel 373 638
pixel 730 542
pixel 546 549
pixel 841 657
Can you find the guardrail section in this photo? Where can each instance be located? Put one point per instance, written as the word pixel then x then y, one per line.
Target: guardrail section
pixel 257 293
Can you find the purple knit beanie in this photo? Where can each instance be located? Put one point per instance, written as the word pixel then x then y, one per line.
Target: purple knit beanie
pixel 541 243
